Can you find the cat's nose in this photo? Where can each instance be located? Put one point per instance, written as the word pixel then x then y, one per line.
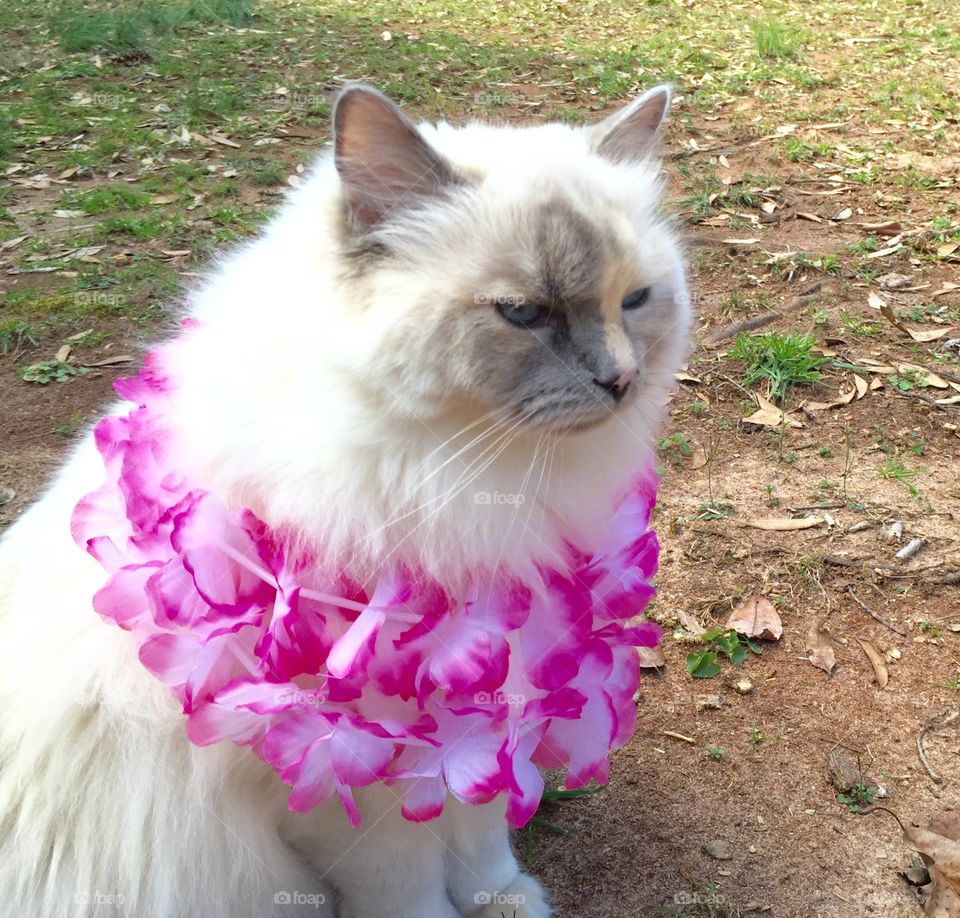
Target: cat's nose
pixel 618 383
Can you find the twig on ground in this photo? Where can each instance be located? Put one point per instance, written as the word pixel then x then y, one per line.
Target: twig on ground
pixel 805 298
pixel 875 615
pixel 941 720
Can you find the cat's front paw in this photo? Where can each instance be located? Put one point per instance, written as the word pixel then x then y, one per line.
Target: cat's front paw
pixel 523 898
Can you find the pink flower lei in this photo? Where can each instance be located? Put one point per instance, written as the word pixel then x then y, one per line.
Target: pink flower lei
pixel 337 688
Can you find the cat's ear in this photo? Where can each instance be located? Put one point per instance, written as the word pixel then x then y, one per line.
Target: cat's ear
pixel 383 161
pixel 631 133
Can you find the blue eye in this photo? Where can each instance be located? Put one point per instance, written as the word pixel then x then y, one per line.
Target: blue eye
pixel 636 299
pixel 526 316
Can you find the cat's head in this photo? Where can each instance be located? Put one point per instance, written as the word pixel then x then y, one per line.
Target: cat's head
pixel 503 272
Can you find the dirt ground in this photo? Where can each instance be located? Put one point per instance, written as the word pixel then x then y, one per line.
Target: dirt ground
pixel 723 802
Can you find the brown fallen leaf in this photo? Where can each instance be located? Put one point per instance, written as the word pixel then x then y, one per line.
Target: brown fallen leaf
pixel 876 660
pixel 938 843
pixel 813 218
pixel 948 287
pixel 224 140
pixel 769 415
pixel 651 657
pixel 683 376
pixel 62 355
pixel 844 399
pixel 164 198
pixel 698 458
pixel 756 618
pixel 819 646
pixel 928 376
pixel 862 385
pixel 786 524
pixel 926 334
pixel 887 228
pixel 947 249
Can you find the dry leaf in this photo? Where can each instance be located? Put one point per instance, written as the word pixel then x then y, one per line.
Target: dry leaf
pixel 683 376
pixel 756 618
pixel 651 657
pixel 862 386
pixel 844 399
pixel 928 376
pixel 948 287
pixel 820 648
pixel 875 301
pixel 786 524
pixel 698 458
pixel 62 355
pixel 947 249
pixel 813 218
pixel 887 228
pixel 224 140
pixel 926 334
pixel 883 253
pixel 876 660
pixel 938 843
pixel 844 214
pixel 164 198
pixel 769 415
pixel 739 241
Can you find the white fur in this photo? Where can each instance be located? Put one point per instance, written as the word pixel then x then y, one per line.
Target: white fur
pixel 105 808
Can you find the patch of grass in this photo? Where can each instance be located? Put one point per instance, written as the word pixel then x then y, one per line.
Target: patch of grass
pixel 895 470
pixel 755 737
pixel 14 334
pixel 135 27
pixel 783 360
pixel 717 753
pixel 799 151
pixel 775 41
pixel 857 326
pixel 104 199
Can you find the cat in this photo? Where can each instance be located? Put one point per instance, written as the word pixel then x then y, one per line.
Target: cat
pixel 452 348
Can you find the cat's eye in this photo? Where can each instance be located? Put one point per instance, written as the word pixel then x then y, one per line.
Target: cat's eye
pixel 525 315
pixel 636 299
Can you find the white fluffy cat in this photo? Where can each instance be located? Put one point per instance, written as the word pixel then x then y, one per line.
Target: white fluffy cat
pixel 438 313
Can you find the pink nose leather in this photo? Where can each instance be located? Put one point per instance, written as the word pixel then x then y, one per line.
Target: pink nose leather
pixel 626 378
pixel 618 386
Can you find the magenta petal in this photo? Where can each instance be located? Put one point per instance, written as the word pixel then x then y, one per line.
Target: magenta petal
pixel 423 798
pixel 347 649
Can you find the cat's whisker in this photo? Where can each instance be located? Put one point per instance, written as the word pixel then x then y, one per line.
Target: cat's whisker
pixel 494 430
pixel 501 445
